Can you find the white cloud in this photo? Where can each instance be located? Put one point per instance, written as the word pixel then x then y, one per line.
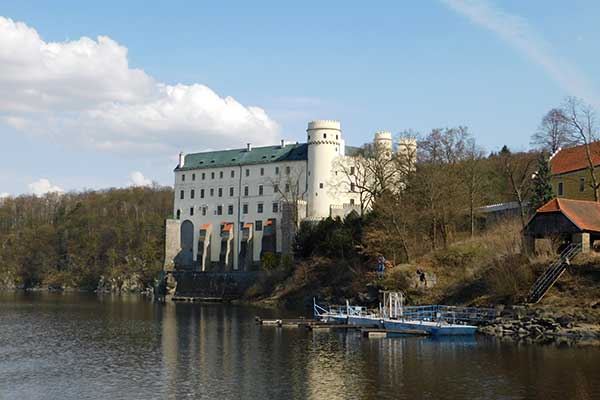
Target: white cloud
pixel 136 178
pixel 43 186
pixel 4 195
pixel 85 92
pixel 518 33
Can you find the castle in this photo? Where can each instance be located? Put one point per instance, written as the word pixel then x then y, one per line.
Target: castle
pixel 233 206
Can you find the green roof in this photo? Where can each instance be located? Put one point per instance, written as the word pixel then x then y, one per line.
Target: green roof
pixel 235 157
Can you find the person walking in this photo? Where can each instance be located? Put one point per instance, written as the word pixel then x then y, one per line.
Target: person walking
pixel 380 266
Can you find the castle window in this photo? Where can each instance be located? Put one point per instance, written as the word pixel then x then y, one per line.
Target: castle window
pixel 203 210
pixel 275 188
pixel 275 207
pixel 260 190
pixel 245 190
pixel 247 172
pixel 191 211
pixel 287 170
pixel 258 226
pixel 324 136
pixel 232 173
pixel 193 177
pixel 181 195
pixel 336 137
pixel 231 191
pixel 581 184
pixel 351 202
pixel 178 214
pixel 212 175
pixel 201 193
pixel 352 187
pixel 220 174
pixel 220 192
pixel 321 185
pixel 182 177
pixel 308 137
pixel 219 210
pixel 212 192
pixel 351 170
pixel 560 189
pixel 262 171
pixel 192 193
pixel 245 208
pixel 287 187
pixel 259 208
pixel 203 176
pixel 276 170
pixel 230 209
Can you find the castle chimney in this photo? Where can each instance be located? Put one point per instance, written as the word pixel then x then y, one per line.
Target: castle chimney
pixel 248 146
pixel 282 143
pixel 181 159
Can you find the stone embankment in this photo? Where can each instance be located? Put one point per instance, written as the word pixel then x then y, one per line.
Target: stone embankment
pixel 539 326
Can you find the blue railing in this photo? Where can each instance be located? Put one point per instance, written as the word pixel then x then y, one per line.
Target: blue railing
pixel 450 314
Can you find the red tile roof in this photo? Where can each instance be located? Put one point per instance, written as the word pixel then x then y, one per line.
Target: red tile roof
pixel 574 159
pixel 584 214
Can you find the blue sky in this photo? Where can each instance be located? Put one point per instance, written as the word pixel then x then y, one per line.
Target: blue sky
pixel 494 66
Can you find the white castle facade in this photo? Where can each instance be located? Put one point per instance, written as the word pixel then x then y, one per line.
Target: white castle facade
pixel 233 206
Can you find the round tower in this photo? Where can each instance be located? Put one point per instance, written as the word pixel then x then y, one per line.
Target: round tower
pixel 383 139
pixel 324 139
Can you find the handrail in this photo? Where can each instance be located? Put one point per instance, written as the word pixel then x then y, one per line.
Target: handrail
pixel 545 281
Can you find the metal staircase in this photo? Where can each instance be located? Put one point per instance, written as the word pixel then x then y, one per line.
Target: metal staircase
pixel 551 275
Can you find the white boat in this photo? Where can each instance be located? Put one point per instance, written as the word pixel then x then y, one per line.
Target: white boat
pixel 334 314
pixel 431 327
pixel 360 316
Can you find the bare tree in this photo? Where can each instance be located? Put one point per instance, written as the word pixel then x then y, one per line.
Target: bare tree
pixel 580 119
pixel 290 185
pixel 553 132
pixel 518 170
pixel 473 179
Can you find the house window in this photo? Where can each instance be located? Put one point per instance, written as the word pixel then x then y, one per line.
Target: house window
pixel 247 172
pixel 259 208
pixel 352 187
pixel 276 170
pixel 245 208
pixel 203 176
pixel 260 190
pixel 212 175
pixel 181 194
pixel 275 207
pixel 321 185
pixel 182 177
pixel 220 174
pixel 201 193
pixel 219 210
pixel 203 210
pixel 232 173
pixel 245 190
pixel 178 214
pixel 220 192
pixel 351 170
pixel 262 171
pixel 230 209
pixel 287 170
pixel 231 191
pixel 258 226
pixel 191 211
pixel 351 202
pixel 212 192
pixel 560 189
pixel 192 194
pixel 193 177
pixel 287 187
pixel 581 184
pixel 275 188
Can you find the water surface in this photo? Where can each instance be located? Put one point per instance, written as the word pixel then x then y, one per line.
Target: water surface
pixel 76 346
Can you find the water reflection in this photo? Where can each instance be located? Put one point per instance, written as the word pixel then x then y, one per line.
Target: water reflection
pixel 83 346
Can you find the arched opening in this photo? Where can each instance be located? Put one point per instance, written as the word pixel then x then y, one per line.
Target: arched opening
pixel 187 243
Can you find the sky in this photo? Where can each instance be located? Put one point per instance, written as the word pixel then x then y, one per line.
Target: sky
pixel 105 94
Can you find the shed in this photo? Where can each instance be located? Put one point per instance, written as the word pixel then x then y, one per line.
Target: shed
pixel 575 221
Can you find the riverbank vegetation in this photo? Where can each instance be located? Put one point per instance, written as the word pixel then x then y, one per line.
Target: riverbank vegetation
pixel 112 237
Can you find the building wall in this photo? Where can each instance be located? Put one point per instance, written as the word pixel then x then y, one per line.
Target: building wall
pixel 232 207
pixel 571 185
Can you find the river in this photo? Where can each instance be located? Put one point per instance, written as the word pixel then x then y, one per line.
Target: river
pixel 84 346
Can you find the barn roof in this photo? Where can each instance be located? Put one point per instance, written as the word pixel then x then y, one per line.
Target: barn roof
pixel 574 159
pixel 584 214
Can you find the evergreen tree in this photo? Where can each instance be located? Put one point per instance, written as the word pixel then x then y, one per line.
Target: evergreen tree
pixel 542 187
